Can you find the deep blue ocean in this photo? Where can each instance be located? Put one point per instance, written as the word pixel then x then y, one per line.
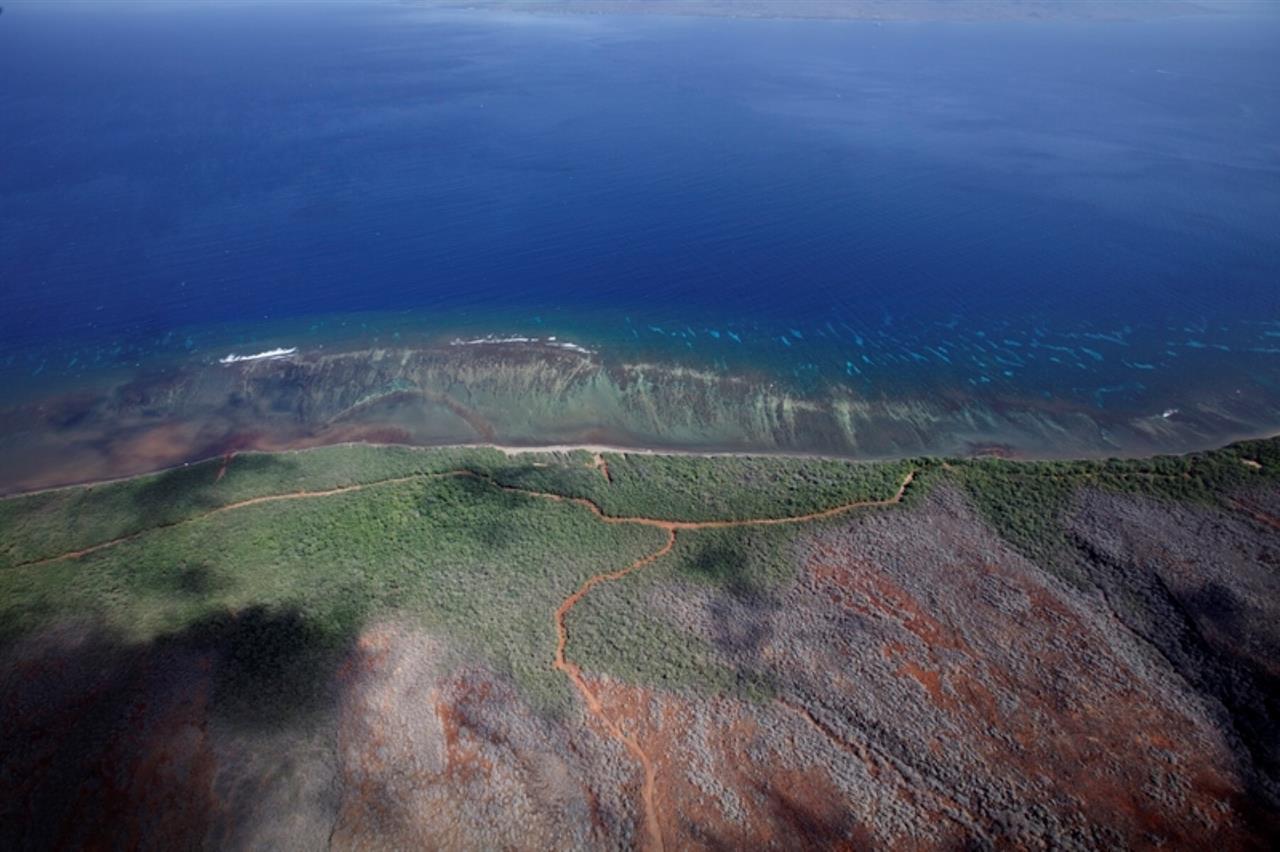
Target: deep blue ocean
pixel 1053 210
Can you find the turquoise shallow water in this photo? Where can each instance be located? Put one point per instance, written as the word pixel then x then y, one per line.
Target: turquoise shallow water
pixel 1030 215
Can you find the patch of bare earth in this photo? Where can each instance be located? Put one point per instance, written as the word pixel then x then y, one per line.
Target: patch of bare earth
pixel 437 754
pixel 733 775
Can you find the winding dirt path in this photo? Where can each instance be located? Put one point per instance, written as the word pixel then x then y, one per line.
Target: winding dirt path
pixel 574 673
pixel 662 523
pixel 561 661
pixel 571 669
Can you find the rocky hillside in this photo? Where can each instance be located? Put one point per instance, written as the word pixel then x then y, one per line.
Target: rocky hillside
pixel 385 647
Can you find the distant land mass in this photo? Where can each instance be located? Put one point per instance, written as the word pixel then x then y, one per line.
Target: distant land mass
pixel 879 10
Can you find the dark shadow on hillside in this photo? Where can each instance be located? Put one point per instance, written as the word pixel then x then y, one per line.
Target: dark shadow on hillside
pixel 803 825
pixel 741 611
pixel 110 744
pixel 553 479
pixel 1198 634
pixel 1228 615
pixel 197 581
pixel 724 565
pixel 272 667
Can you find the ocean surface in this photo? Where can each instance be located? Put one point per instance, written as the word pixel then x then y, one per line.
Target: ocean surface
pixel 1064 212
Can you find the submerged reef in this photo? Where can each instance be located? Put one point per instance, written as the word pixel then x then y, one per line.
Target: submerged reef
pixel 531 393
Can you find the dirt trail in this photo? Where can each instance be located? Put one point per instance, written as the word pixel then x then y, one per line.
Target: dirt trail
pixel 561 661
pixel 226 462
pixel 571 669
pixel 599 462
pixel 590 505
pixel 1256 513
pixel 662 523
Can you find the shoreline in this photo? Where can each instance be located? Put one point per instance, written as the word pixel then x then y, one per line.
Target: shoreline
pixel 542 399
pixel 513 450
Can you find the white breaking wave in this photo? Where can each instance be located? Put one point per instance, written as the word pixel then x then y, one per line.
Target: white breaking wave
pixel 261 356
pixel 550 341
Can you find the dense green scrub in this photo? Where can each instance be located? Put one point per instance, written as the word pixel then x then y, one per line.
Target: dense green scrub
pixel 634 630
pixel 705 488
pixel 51 522
pixel 487 567
pixel 48 523
pixel 429 537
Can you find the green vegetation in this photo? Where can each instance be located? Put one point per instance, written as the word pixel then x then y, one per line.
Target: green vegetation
pixel 699 488
pixel 485 566
pixel 48 523
pixel 430 539
pixel 632 630
pixel 51 522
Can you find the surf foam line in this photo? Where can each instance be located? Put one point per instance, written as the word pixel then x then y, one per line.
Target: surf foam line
pixel 550 341
pixel 268 355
